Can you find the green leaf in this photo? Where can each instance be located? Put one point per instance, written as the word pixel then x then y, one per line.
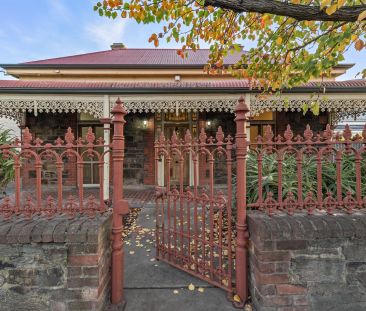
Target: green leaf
pixel 315 107
pixel 305 108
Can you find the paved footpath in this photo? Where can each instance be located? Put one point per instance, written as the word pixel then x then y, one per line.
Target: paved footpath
pixel 151 285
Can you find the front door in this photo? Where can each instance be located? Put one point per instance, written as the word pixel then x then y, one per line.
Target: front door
pixel 180 131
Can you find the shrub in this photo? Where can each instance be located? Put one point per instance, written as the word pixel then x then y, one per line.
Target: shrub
pixel 6 164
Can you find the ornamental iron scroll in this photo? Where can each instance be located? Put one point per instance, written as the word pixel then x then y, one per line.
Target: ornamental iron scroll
pixel 316 173
pixel 32 197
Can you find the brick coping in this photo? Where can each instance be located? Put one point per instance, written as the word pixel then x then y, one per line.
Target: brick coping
pixel 59 229
pixel 301 226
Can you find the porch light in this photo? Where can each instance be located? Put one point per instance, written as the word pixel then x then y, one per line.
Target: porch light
pixel 208 123
pixel 145 123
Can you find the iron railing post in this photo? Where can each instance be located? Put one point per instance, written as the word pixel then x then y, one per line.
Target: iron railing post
pixel 241 265
pixel 120 206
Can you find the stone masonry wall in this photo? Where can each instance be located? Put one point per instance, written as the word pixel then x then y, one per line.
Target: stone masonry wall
pixel 300 263
pixel 58 264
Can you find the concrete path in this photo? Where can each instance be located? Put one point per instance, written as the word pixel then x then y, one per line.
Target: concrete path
pixel 151 285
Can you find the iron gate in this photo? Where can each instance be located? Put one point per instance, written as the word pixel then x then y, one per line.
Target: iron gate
pixel 194 221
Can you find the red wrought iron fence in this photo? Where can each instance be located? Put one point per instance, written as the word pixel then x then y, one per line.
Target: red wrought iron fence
pixel 195 228
pixel 193 218
pixel 322 172
pixel 40 200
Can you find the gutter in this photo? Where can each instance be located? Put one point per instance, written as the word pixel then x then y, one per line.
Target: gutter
pixel 123 66
pixel 102 66
pixel 196 90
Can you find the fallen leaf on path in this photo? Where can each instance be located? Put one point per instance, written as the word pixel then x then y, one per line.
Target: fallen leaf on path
pixel 201 289
pixel 237 298
pixel 191 287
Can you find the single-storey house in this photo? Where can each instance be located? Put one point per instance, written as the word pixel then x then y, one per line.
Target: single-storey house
pixel 162 93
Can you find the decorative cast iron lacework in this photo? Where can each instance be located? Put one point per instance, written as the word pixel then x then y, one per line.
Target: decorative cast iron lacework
pixel 33 153
pixel 13 107
pixel 199 104
pixel 336 105
pixel 314 172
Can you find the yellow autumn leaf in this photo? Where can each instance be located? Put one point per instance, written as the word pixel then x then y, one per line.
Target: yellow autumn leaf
pixel 340 3
pixel 132 252
pixel 362 16
pixel 330 10
pixel 359 45
pixel 191 287
pixel 248 307
pixel 324 3
pixel 201 289
pixel 236 298
pixel 279 40
pixel 354 37
pixel 175 292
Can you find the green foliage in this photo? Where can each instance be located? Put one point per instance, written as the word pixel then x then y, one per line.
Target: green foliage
pixel 287 52
pixel 6 164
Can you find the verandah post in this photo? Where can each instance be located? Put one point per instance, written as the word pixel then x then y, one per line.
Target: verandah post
pixel 241 268
pixel 120 206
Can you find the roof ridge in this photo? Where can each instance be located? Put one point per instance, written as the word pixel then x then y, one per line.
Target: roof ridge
pixel 69 56
pixel 108 51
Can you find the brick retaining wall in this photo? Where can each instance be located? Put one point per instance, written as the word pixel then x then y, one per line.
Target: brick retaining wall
pixel 57 264
pixel 300 263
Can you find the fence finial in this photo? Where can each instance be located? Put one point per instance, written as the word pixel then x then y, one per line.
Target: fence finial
pixel 241 106
pixel 119 107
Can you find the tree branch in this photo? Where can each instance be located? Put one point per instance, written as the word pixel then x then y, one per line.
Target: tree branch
pixel 297 11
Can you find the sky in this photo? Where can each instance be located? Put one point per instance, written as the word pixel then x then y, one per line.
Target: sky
pixel 39 29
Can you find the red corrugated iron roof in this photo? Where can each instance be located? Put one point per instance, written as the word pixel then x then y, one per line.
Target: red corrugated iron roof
pixel 229 83
pixel 148 57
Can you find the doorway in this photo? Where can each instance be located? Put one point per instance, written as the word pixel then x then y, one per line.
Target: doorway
pixel 180 122
pixel 180 130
